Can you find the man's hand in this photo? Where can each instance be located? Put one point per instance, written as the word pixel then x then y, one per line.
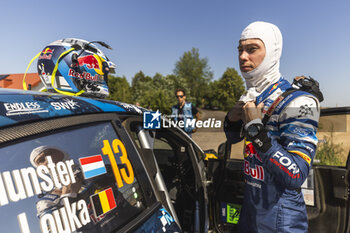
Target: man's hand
pixel 235 114
pixel 251 111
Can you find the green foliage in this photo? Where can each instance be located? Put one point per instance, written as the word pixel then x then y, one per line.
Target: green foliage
pixel 119 89
pixel 160 95
pixel 139 86
pixel 193 73
pixel 329 153
pixel 230 88
pixel 225 92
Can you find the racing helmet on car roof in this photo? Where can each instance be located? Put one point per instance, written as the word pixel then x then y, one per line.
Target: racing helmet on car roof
pixel 74 67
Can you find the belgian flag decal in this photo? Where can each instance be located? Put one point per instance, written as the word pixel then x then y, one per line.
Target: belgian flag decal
pixel 103 202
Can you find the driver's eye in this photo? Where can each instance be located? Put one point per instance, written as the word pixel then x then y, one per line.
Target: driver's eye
pixel 252 50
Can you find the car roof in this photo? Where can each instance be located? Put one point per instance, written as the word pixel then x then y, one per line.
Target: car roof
pixel 18 106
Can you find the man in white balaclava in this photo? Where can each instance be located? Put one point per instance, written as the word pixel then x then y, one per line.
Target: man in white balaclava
pixel 278 124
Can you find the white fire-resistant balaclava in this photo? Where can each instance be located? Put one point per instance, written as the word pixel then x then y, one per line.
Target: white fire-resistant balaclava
pixel 267 72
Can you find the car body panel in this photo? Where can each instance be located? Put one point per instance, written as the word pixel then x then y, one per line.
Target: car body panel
pixel 22 106
pixel 34 119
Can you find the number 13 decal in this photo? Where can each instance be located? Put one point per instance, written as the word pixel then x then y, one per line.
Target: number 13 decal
pixel 120 174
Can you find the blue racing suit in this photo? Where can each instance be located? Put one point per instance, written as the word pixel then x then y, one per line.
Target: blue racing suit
pixel 277 162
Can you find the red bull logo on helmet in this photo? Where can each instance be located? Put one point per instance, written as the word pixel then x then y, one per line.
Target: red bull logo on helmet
pixel 46 53
pixel 90 61
pixel 84 75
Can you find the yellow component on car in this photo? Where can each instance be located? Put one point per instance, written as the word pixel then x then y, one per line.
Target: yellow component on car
pixel 210 156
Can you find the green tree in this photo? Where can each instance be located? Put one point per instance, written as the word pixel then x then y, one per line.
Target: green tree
pixel 155 93
pixel 139 86
pixel 160 95
pixel 210 93
pixel 119 89
pixel 193 74
pixel 225 92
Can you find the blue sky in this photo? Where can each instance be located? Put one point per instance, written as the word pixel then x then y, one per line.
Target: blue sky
pixel 151 35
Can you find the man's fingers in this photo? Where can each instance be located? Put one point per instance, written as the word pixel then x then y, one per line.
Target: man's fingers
pixel 261 105
pixel 249 105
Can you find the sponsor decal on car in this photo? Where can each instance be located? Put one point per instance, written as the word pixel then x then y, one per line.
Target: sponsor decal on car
pixel 165 219
pixel 131 107
pixel 117 149
pixel 161 221
pixel 230 212
pixel 103 202
pixel 92 166
pixel 32 181
pixel 66 104
pixel 23 108
pixel 71 214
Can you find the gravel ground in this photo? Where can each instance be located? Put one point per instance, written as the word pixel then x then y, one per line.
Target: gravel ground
pixel 210 138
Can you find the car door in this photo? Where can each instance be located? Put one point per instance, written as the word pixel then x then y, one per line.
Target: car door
pixel 180 172
pixel 76 174
pixel 325 191
pixel 226 189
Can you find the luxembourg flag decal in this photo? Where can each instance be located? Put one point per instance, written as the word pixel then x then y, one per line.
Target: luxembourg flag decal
pixel 92 166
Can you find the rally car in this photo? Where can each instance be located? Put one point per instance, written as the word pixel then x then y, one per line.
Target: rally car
pixel 75 164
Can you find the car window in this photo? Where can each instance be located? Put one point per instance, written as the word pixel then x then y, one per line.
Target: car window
pixel 162 143
pixel 77 180
pixel 333 140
